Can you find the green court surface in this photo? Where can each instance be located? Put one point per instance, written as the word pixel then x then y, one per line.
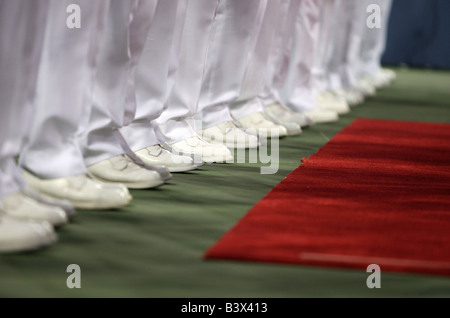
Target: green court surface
pixel 154 248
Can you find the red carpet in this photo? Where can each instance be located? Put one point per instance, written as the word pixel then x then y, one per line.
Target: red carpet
pixel 377 193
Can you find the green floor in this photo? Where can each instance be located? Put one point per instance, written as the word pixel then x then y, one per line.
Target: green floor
pixel 154 247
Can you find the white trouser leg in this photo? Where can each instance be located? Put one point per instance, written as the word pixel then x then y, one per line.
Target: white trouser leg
pixel 337 53
pixel 328 9
pixel 258 65
pixel 297 91
pixel 22 26
pixel 374 40
pixel 232 37
pixel 280 52
pixel 152 78
pixel 64 91
pixel 353 26
pixel 176 121
pixel 113 99
pixel 334 55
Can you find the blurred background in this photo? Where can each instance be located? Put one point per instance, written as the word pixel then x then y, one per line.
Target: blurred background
pixel 419 34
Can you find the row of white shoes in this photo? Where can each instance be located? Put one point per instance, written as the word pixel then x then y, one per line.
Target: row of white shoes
pixel 28 218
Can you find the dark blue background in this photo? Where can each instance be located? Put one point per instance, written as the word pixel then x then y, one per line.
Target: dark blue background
pixel 419 34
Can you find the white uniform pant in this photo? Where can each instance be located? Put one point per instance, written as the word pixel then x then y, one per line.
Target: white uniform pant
pixel 177 120
pixel 324 46
pixel 349 34
pixel 153 78
pixel 22 26
pixel 338 46
pixel 297 90
pixel 278 62
pixel 114 102
pixel 64 90
pixel 258 64
pixel 374 40
pixel 233 36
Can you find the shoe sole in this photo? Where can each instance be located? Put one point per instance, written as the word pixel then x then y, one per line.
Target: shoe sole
pixel 86 205
pixel 339 111
pixel 327 121
pixel 26 248
pixel 217 160
pixel 210 159
pixel 238 146
pixel 56 222
pixel 343 112
pixel 182 168
pixel 135 185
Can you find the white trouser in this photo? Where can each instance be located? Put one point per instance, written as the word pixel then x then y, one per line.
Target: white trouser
pixel 374 40
pixel 350 34
pixel 297 90
pixel 278 62
pixel 177 120
pixel 233 36
pixel 153 76
pixel 22 27
pixel 324 45
pixel 64 90
pixel 258 64
pixel 114 103
pixel 336 51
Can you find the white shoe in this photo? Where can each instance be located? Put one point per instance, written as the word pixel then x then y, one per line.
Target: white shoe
pixel 383 78
pixel 262 125
pixel 322 115
pixel 121 169
pixel 22 236
pixel 366 87
pixel 65 205
pixel 82 191
pixel 389 74
pixel 197 147
pixel 354 97
pixel 330 101
pixel 283 113
pixel 351 96
pixel 157 155
pixel 230 135
pixel 21 206
pixel 292 128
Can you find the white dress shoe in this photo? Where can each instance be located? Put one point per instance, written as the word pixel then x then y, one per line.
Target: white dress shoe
pixel 157 155
pixel 330 101
pixel 21 206
pixel 208 152
pixel 262 125
pixel 82 191
pixel 389 74
pixel 278 111
pixel 230 135
pixel 65 205
pixel 366 87
pixel 292 128
pixel 321 116
pixel 121 169
pixel 383 78
pixel 351 96
pixel 22 236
